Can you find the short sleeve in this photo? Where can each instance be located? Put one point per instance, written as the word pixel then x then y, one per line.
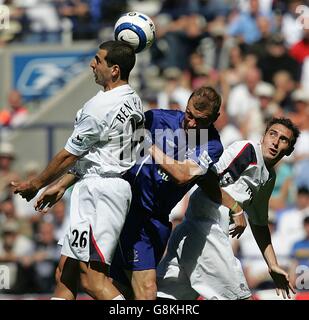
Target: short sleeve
pixel 87 132
pixel 201 159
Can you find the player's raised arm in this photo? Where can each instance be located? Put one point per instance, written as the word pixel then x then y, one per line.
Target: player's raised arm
pixel 181 172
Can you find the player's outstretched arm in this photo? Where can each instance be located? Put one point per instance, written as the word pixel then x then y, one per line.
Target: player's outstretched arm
pixel 57 166
pixel 54 192
pixel 279 276
pixel 181 172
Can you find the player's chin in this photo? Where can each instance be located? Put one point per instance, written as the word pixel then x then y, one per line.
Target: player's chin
pixel 97 80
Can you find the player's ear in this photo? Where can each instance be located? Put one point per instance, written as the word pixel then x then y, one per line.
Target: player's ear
pixel 289 151
pixel 115 71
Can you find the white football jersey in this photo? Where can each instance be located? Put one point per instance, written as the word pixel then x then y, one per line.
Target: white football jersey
pixel 104 132
pixel 244 176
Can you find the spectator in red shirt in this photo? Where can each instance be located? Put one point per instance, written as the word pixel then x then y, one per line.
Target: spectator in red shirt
pixel 300 50
pixel 16 113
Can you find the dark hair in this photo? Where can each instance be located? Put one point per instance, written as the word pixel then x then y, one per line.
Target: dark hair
pixel 303 190
pixel 207 98
pixel 119 53
pixel 306 220
pixel 288 124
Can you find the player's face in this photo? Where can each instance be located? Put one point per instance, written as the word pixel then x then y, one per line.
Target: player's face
pixel 195 119
pixel 276 143
pixel 102 72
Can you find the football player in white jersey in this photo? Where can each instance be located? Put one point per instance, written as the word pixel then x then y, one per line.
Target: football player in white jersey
pixel 99 150
pixel 200 259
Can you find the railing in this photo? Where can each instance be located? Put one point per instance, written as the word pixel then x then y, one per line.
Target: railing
pixel 8 134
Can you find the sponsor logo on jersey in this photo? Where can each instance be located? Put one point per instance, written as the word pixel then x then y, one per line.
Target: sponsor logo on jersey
pixel 163 175
pixel 78 140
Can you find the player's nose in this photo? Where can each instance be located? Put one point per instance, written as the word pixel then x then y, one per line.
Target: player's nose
pixel 92 63
pixel 276 142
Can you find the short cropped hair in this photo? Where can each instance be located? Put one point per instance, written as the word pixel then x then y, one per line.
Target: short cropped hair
pixel 119 53
pixel 207 98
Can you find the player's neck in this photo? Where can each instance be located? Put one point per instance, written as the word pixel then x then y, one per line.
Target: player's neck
pixel 112 85
pixel 270 164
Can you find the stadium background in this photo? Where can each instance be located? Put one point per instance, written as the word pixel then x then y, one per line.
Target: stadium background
pixel 255 52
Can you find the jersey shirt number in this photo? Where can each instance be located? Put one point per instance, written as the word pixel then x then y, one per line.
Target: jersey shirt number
pixel 80 240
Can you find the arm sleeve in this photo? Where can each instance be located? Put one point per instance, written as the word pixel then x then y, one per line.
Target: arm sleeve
pixel 87 132
pixel 203 161
pixel 206 155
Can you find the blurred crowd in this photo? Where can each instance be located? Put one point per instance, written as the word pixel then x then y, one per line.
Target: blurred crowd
pixel 37 21
pixel 28 241
pixel 255 52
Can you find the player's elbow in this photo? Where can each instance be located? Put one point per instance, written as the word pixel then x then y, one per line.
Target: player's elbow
pixel 183 178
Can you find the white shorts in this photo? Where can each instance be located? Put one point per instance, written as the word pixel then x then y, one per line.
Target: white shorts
pixel 97 214
pixel 200 261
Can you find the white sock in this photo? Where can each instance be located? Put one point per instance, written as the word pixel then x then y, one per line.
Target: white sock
pixel 54 298
pixel 120 297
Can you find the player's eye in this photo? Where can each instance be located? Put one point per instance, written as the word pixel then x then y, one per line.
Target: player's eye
pixel 284 140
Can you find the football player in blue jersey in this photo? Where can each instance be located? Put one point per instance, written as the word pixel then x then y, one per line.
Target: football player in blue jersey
pixel 147 228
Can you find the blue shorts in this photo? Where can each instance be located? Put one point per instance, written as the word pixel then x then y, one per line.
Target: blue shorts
pixel 141 245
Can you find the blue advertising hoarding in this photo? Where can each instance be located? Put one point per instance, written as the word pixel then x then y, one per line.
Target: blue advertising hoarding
pixel 40 75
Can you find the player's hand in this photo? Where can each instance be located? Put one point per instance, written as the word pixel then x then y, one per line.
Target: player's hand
pixel 281 280
pixel 26 189
pixel 48 198
pixel 240 224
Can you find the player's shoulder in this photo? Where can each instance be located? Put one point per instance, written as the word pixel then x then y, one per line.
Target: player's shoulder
pixel 97 105
pixel 104 103
pixel 163 113
pixel 242 145
pixel 244 151
pixel 163 117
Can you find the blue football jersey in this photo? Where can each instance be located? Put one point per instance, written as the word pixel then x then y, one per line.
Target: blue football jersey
pixel 152 189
